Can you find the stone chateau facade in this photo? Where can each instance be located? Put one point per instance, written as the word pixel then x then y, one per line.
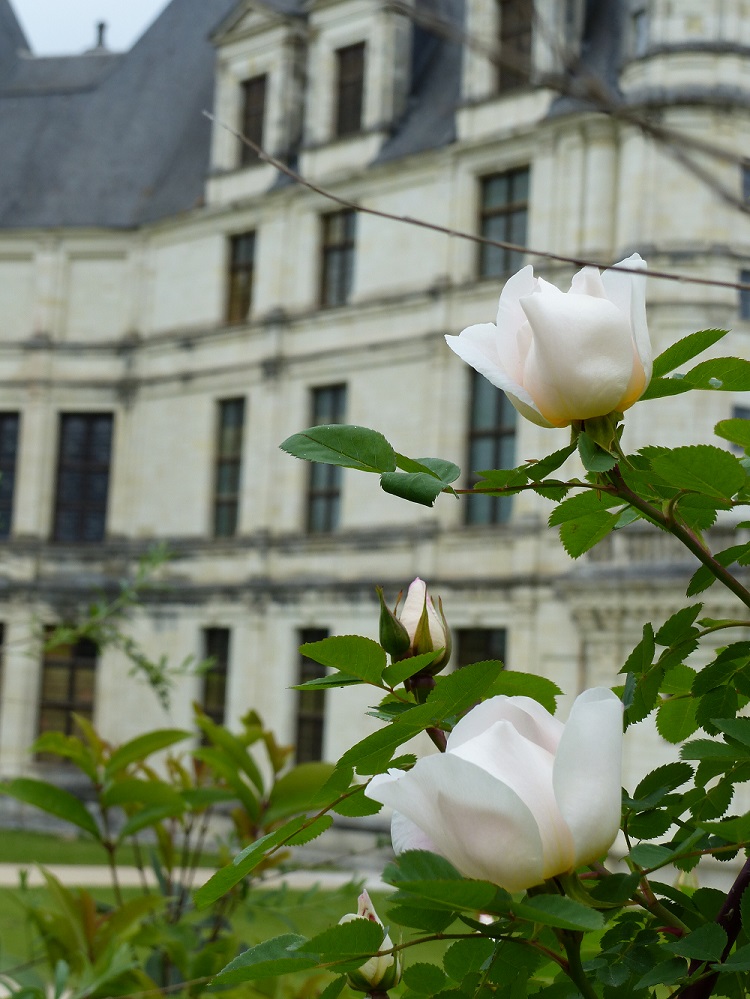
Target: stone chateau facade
pixel 172 308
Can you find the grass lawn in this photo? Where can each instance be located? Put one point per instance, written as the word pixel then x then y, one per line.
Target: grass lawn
pixel 19 846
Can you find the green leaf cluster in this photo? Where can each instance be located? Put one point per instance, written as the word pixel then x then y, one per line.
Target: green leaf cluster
pixel 419 480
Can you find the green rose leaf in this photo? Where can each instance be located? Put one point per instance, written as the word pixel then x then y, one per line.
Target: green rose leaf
pixel 345 445
pixel 685 350
pixel 277 956
pixel 702 468
pixel 53 800
pixel 558 911
pixel 513 683
pixel 352 654
pixel 726 374
pixel 417 487
pixel 736 430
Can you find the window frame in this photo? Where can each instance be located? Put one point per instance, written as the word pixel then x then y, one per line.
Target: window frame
pixel 493 645
pixel 9 421
pixel 229 458
pixel 509 212
pixel 217 645
pixel 87 467
pixel 743 305
pixel 73 659
pixel 337 257
pixel 498 509
pixel 324 482
pixel 240 276
pixel 252 117
pixel 351 66
pixel 310 705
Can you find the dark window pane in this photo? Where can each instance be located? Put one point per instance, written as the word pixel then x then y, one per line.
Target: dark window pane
pixel 350 79
pixel 228 466
pixel 253 115
pixel 216 647
pixel 310 713
pixel 83 476
pixel 337 274
pixel 324 482
pixel 67 688
pixel 476 645
pixel 503 217
pixel 745 295
pixel 240 282
pixel 491 444
pixel 8 451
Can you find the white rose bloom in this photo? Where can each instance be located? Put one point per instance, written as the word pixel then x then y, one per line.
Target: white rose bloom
pixel 517 797
pixel 561 357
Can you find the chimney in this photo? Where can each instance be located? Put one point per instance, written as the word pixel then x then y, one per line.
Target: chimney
pixel 101 29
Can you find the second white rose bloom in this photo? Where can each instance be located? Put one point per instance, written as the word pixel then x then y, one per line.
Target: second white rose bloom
pixel 562 357
pixel 517 797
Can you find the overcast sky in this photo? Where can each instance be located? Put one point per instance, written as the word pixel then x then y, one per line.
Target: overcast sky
pixel 56 27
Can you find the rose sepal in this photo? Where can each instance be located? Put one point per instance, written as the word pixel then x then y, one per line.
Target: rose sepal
pixel 575 889
pixel 393 636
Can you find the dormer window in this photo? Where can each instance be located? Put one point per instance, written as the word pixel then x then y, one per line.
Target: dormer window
pixel 253 116
pixel 514 37
pixel 350 86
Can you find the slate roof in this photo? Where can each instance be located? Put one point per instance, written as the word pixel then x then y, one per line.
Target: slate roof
pixel 102 140
pixel 118 140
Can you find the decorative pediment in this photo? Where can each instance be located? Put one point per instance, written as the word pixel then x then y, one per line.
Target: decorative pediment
pixel 251 17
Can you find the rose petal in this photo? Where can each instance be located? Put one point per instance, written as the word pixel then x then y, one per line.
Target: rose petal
pixel 581 359
pixel 628 292
pixel 479 824
pixel 587 773
pixel 478 346
pixel 405 835
pixel 411 612
pixel 528 716
pixel 525 768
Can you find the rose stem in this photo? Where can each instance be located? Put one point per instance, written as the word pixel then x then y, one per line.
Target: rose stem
pixel 421 684
pixel 682 533
pixel 731 922
pixel 571 941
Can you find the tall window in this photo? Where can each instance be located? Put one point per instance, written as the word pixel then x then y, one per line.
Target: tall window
pixel 338 257
pixel 324 488
pixel 310 703
pixel 241 268
pixel 253 115
pixel 214 699
pixel 514 69
pixel 503 216
pixel 492 444
pixel 231 421
pixel 82 476
pixel 68 684
pixel 745 182
pixel 477 645
pixel 350 85
pixel 744 277
pixel 8 451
